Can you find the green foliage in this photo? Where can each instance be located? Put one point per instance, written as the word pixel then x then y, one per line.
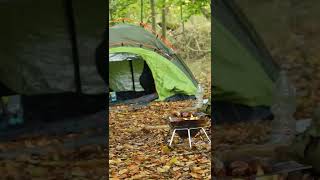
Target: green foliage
pixel 132 9
pixel 195 8
pixel 123 9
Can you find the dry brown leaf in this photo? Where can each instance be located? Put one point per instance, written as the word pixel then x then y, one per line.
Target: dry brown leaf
pixel 195 175
pixel 123 171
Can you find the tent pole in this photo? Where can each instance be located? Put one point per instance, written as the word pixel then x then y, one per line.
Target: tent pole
pixel 132 75
pixel 74 43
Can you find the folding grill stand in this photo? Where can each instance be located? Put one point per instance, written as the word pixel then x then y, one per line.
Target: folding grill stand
pixel 189 136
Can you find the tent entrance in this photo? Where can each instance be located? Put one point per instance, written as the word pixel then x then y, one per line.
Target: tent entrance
pixel 130 76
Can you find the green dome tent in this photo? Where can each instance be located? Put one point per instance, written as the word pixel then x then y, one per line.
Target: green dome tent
pixel 243 70
pixel 130 46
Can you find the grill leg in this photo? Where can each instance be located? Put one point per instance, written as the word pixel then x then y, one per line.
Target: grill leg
pixel 174 131
pixel 189 138
pixel 167 139
pixel 206 135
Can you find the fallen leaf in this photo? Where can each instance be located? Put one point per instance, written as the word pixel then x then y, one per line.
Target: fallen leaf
pixel 174 161
pixel 176 168
pixel 195 175
pixel 123 171
pixel 165 149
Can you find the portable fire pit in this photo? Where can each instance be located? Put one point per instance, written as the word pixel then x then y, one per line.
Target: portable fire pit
pixel 184 122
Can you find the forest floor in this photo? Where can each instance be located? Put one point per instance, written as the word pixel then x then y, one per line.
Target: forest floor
pixel 47 157
pixel 139 153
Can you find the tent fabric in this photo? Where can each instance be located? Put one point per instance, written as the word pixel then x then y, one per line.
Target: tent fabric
pixel 130 35
pixel 135 35
pixel 169 79
pixel 36 57
pixel 243 72
pixel 230 16
pixel 240 78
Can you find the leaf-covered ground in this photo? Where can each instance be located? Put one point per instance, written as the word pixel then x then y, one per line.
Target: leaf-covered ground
pixel 48 158
pixel 136 152
pixel 241 133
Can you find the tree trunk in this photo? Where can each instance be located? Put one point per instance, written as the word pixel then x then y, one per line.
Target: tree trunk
pixel 141 6
pixel 164 23
pixel 110 12
pixel 206 13
pixel 181 14
pixel 153 15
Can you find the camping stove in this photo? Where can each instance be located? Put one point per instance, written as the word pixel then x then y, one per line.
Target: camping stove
pixel 187 128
